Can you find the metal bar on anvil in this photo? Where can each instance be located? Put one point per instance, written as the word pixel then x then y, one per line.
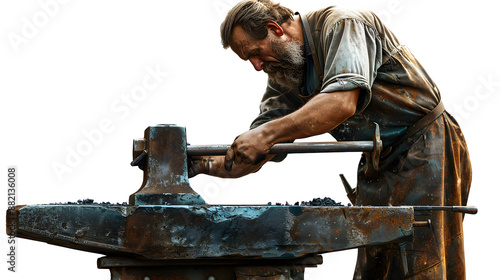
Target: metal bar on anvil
pixel 162 232
pixel 289 148
pixel 374 147
pixel 458 209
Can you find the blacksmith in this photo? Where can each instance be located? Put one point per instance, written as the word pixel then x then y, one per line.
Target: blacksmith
pixel 340 71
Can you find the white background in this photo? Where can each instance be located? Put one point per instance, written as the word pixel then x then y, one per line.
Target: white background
pixel 68 67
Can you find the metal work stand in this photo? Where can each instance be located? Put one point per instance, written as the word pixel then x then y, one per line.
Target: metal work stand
pixel 224 269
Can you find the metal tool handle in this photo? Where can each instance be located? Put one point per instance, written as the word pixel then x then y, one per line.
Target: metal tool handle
pixel 289 148
pixel 307 147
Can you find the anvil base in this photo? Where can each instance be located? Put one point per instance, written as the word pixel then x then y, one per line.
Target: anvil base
pixel 226 269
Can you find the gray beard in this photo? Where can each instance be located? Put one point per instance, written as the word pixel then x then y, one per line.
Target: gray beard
pixel 289 71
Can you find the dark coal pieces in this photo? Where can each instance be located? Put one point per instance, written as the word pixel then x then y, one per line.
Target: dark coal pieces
pixel 315 202
pixel 89 201
pixel 321 202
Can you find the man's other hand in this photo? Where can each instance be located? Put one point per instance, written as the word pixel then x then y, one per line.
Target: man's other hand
pixel 214 166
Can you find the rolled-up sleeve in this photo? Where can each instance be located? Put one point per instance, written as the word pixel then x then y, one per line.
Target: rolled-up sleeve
pixel 275 103
pixel 353 53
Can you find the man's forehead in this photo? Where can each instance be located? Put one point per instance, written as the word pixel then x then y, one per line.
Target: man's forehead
pixel 240 41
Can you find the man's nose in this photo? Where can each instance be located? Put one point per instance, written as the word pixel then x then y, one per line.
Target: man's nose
pixel 257 63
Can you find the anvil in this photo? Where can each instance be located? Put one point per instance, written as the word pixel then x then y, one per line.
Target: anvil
pixel 167 231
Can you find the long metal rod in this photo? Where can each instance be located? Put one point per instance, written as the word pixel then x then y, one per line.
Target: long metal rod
pixel 460 209
pixel 289 148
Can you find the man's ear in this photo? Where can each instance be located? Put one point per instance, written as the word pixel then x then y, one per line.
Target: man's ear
pixel 275 28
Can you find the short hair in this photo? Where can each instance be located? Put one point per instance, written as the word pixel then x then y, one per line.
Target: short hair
pixel 252 16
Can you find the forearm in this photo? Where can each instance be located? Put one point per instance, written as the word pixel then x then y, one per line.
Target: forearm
pixel 321 114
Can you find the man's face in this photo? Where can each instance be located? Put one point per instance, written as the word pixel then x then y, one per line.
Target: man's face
pixel 282 60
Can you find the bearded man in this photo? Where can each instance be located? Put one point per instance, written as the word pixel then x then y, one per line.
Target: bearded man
pixel 340 71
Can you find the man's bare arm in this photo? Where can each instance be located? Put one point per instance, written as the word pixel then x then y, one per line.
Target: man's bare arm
pixel 321 114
